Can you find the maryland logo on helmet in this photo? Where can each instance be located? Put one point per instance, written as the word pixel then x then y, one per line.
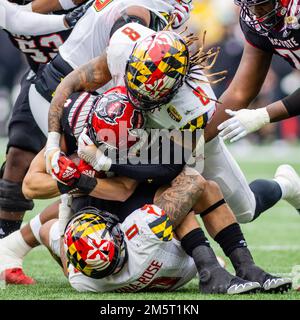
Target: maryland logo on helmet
pixel 156 69
pixel 94 243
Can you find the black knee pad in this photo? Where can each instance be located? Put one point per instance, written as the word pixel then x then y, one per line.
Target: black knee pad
pixel 12 198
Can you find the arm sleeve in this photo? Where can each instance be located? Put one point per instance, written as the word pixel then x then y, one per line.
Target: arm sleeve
pixel 18 21
pixel 292 103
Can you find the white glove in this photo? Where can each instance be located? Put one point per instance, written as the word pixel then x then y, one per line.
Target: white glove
pixel 243 122
pixel 91 154
pixel 52 146
pixel 181 13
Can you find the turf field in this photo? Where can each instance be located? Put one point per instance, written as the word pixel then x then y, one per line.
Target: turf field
pixel 274 240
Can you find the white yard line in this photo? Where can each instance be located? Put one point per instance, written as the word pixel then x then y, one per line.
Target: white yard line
pixel 276 247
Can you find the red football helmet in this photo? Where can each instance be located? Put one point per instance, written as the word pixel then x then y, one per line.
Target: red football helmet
pixel 112 120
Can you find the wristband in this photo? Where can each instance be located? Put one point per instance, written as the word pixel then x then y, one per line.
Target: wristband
pixel 86 184
pixel 53 140
pixel 67 4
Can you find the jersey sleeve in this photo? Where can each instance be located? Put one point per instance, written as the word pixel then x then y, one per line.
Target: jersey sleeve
pixel 18 21
pixel 255 39
pixel 120 47
pixel 151 222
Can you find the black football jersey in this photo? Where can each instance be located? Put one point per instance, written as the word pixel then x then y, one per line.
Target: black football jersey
pixel 39 49
pixel 75 116
pixel 288 47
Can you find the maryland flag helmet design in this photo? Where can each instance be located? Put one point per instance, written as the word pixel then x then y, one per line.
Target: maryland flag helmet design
pixel 94 243
pixel 156 69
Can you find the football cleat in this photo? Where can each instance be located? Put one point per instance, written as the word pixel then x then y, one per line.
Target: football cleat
pixel 16 276
pixel 218 280
pixel 240 286
pixel 277 285
pixel 268 282
pixel 286 175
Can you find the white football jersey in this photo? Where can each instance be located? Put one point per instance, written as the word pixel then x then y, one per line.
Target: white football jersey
pixel 186 106
pixel 90 36
pixel 156 260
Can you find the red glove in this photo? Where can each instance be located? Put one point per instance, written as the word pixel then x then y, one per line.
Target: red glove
pixel 67 173
pixel 85 168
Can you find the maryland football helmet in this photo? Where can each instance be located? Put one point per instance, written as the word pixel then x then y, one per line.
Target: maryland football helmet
pixel 262 15
pixel 156 69
pixel 113 119
pixel 94 243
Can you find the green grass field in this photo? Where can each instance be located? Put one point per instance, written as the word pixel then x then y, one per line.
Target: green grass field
pixel 274 240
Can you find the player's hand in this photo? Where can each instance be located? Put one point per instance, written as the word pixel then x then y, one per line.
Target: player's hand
pixel 91 154
pixel 73 17
pixel 52 146
pixel 243 122
pixel 182 13
pixel 85 168
pixel 67 172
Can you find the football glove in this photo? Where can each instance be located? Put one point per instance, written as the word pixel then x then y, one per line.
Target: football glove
pixel 66 171
pixel 91 154
pixel 73 16
pixel 243 122
pixel 181 13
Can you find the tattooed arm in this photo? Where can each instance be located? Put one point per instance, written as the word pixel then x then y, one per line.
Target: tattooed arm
pixel 87 77
pixel 179 199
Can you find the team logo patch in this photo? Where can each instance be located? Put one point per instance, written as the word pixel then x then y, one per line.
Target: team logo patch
pixel 110 107
pixel 162 228
pixel 174 114
pixel 198 123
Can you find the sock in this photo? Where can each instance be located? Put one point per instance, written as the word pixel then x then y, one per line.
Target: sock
pixel 194 239
pixel 282 185
pixel 267 193
pixel 9 226
pixel 230 238
pixel 35 226
pixel 15 243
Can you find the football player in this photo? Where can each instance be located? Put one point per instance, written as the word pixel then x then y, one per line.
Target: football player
pixel 189 109
pixel 140 254
pixel 187 191
pixel 16 20
pixel 25 138
pixel 270 27
pixel 139 46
